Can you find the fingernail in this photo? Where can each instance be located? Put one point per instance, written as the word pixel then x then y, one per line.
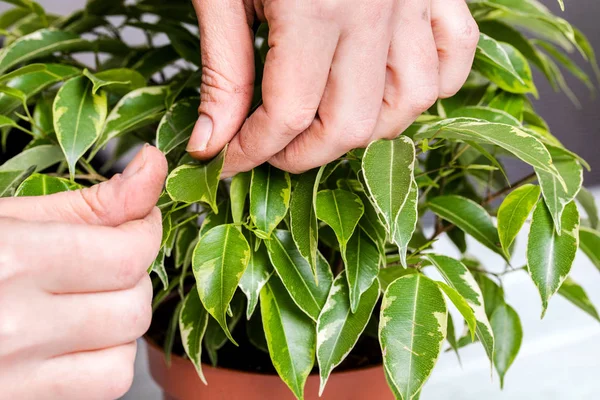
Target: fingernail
pixel 137 163
pixel 201 134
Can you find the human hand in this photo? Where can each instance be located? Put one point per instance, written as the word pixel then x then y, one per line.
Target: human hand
pixel 339 74
pixel 74 292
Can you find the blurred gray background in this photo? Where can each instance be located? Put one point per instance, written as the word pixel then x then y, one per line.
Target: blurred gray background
pixel 560 356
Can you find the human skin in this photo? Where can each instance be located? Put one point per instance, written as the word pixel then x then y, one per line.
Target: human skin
pixel 74 291
pixel 339 74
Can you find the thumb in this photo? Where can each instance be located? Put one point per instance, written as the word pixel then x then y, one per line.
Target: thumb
pixel 125 197
pixel 227 74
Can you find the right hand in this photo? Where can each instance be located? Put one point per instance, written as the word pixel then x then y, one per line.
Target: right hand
pixel 74 292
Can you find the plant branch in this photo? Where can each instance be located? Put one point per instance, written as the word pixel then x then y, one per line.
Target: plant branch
pixel 507 189
pixel 84 177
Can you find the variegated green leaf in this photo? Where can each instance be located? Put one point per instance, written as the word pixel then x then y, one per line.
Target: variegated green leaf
pixel 513 213
pixel 371 222
pixel 588 203
pixel 504 65
pixel 256 333
pixel 589 243
pixel 192 325
pixel 9 180
pixel 493 294
pixel 339 328
pixel 573 292
pixel 492 54
pixel 119 80
pixel 38 44
pixel 291 336
pixel 362 261
pixel 137 109
pixel 341 210
pixel 550 255
pixel 388 167
pixel 514 140
pixel 43 124
pixel 406 222
pixel 191 183
pixel 461 305
pixel 270 190
pixel 508 332
pixel 42 185
pixel 220 259
pixel 213 219
pixel 32 83
pixel 296 274
pixel 158 267
pixel 215 338
pixel 460 279
pixel 486 114
pixel 303 218
pixel 412 329
pixel 186 235
pixel 555 194
pixel 28 69
pixel 238 193
pixel 41 157
pixel 389 274
pixel 533 16
pixel 257 274
pixel 13 17
pixel 78 118
pixel 177 124
pixel 470 217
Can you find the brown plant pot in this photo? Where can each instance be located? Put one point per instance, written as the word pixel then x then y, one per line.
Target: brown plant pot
pixel 180 382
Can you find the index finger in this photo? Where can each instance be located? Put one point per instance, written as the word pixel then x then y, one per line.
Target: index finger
pixel 62 258
pixel 295 76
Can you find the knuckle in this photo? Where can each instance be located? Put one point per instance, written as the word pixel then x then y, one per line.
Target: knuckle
pixel 248 150
pixel 449 89
pixel 94 202
pixel 299 120
pixel 360 133
pixel 423 99
pixel 467 35
pixel 287 163
pixel 215 85
pixel 323 9
pixel 10 329
pixel 129 273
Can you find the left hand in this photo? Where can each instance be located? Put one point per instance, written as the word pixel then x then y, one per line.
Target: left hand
pixel 339 74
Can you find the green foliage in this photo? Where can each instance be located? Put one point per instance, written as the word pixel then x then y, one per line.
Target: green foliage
pixel 311 254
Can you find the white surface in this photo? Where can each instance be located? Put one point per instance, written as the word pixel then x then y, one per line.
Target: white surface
pixel 559 357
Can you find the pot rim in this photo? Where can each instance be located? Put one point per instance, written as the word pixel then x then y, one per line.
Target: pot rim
pixel 150 342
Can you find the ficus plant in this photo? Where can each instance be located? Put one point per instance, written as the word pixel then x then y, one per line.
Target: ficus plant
pixel 308 268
